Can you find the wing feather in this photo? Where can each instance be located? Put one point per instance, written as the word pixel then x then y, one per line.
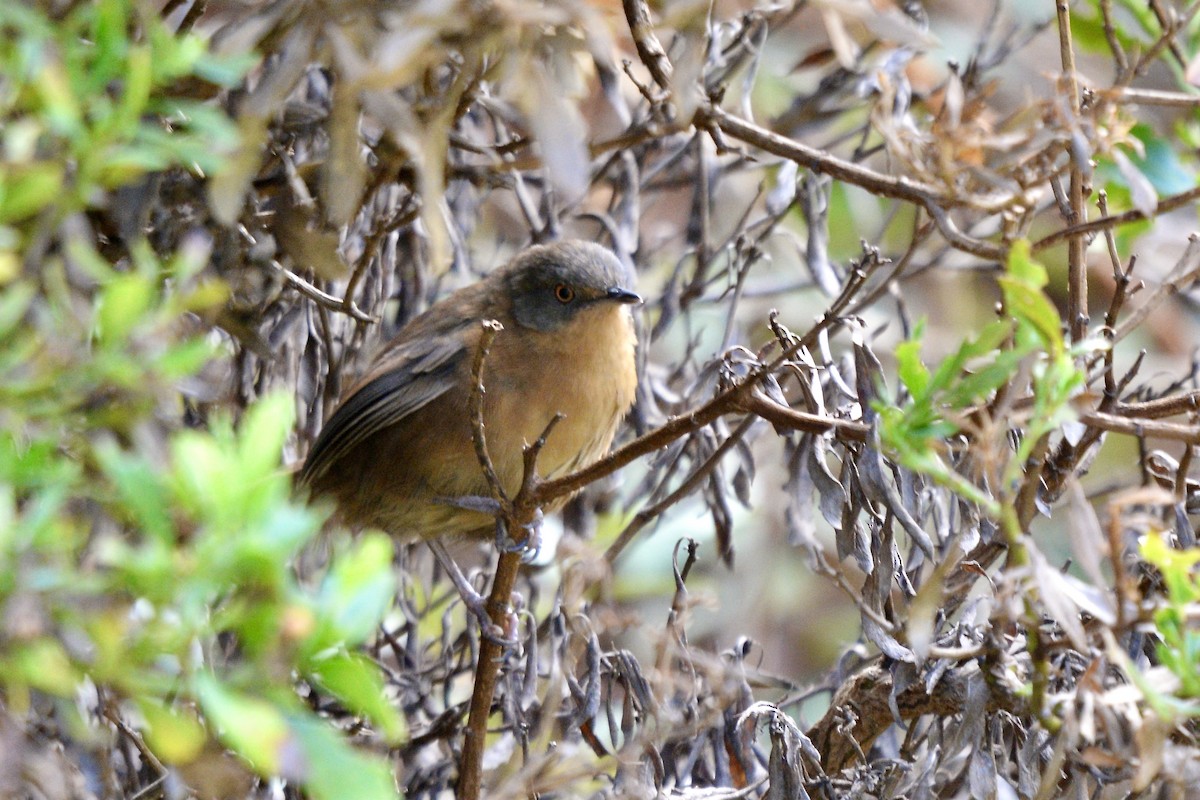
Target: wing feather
pixel 421 370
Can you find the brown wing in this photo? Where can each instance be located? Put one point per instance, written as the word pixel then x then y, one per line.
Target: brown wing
pixel 417 371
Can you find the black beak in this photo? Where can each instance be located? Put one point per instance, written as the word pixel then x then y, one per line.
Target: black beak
pixel 623 296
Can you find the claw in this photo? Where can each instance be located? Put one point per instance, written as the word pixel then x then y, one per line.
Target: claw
pixel 529 547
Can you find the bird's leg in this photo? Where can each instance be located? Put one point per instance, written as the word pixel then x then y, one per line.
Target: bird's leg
pixel 472 502
pixel 473 600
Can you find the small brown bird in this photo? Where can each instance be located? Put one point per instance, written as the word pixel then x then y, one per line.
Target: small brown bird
pixel 398 451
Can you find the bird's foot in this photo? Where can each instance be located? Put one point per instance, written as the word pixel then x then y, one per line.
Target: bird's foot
pixel 529 547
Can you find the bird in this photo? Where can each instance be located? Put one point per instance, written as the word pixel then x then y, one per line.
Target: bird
pixel 398 452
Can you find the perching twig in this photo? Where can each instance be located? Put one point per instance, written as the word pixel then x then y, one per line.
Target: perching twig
pixel 516 514
pixel 490 330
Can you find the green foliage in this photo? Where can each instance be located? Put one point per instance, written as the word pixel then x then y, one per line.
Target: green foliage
pixel 131 548
pixel 1162 165
pixel 1087 26
pixel 87 109
pixel 915 431
pixel 1179 642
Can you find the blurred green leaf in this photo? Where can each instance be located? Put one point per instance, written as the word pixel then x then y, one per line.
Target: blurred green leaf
pixel 199 471
pixel 185 358
pixel 14 302
pixel 256 729
pixel 356 681
pixel 1161 164
pixel 176 737
pixel 122 305
pixel 43 664
pixel 264 429
pixel 226 70
pixel 333 770
pixel 356 593
pixel 25 191
pixel 140 491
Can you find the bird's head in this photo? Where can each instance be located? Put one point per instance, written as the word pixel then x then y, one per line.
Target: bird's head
pixel 550 285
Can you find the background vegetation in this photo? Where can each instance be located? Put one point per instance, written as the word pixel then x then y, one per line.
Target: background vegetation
pixel 905 507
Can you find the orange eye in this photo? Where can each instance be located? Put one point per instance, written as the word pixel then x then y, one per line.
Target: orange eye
pixel 564 293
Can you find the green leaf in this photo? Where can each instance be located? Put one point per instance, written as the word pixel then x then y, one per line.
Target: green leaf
pixel 27 189
pixel 912 372
pixel 1022 267
pixel 225 70
pixel 140 491
pixel 62 109
pixel 14 302
pixel 186 358
pixel 257 730
pixel 263 431
pixel 1161 163
pixel 333 770
pixel 136 91
pixel 123 305
pixel 108 32
pixel 199 470
pixel 979 385
pixel 356 681
pixel 356 594
pixel 986 344
pixel 45 665
pixel 1035 313
pixel 175 737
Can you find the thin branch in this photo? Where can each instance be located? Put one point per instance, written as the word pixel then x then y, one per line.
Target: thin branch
pixel 878 183
pixel 649 48
pixel 1165 205
pixel 736 398
pixel 519 516
pixel 490 328
pixel 648 515
pixel 1154 97
pixel 1077 303
pixel 929 197
pixel 1185 272
pixel 491 648
pixel 781 416
pixel 1114 43
pixel 1141 427
pixel 1162 407
pixel 324 299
